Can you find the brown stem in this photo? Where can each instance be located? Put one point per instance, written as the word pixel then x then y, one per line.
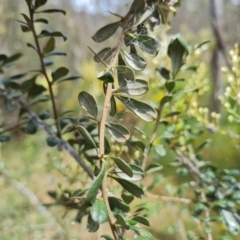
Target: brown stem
pixel 105 111
pixel 44 72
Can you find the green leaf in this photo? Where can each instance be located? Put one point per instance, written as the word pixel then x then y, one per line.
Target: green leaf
pixel 124 74
pixel 144 233
pixel 91 225
pixel 164 73
pixel 121 220
pixel 42 20
pixel 171 114
pixel 134 189
pixel 87 102
pixel 201 44
pixel 230 221
pixel 96 184
pixel 154 167
pixel 59 73
pixel 39 3
pixel 31 46
pixel 165 100
pixel 144 15
pixel 106 76
pixel 177 50
pixel 161 151
pixel 74 77
pixel 107 237
pixel 127 197
pixel 141 109
pixel 52 141
pixel 113 107
pixel 135 61
pixel 106 32
pixel 134 88
pixel 56 54
pixel 47 33
pixel 28 20
pixel 4 138
pixel 10 60
pixel 139 145
pixel 99 212
pixel 86 135
pixel 31 127
pixel 137 175
pixel 118 203
pixel 50 45
pixel 123 165
pixel 104 54
pixel 53 11
pixel 141 220
pixel 25 27
pixel 118 132
pixel 148 45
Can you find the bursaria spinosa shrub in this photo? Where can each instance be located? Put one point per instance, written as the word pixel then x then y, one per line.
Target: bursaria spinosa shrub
pixel 125 166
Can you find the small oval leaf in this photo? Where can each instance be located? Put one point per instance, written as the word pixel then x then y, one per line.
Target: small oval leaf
pixel 113 107
pixel 106 32
pixel 104 54
pixel 118 203
pixel 141 220
pixel 124 74
pixel 134 88
pixel 125 167
pixel 138 173
pixel 50 45
pixel 88 102
pixel 141 109
pixel 135 61
pixel 99 212
pixel 91 225
pixel 59 73
pixel 118 132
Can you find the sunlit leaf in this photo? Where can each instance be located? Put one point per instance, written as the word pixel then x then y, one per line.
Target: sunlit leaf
pixel 118 132
pixel 106 76
pixel 154 167
pixel 148 45
pixel 135 61
pixel 87 102
pixel 93 190
pixel 137 175
pixel 123 165
pixel 104 54
pixel 141 109
pixel 134 88
pixel 124 74
pixel 141 220
pixel 99 212
pixel 106 32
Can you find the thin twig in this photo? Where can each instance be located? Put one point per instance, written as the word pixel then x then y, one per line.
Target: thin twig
pixel 47 129
pixel 44 72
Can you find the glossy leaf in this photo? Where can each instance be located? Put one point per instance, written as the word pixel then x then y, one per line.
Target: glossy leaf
pixel 118 203
pixel 146 12
pixel 135 61
pixel 91 225
pixel 161 151
pixel 134 88
pixel 50 45
pixel 53 11
pixel 52 141
pixel 96 184
pixel 59 73
pixel 134 189
pixel 87 102
pixel 141 220
pixel 106 32
pixel 99 212
pixel 177 50
pixel 141 109
pixel 118 132
pixel 123 165
pixel 124 74
pixel 137 175
pixel 148 45
pixel 106 76
pixel 113 107
pixel 47 33
pixel 86 135
pixel 104 54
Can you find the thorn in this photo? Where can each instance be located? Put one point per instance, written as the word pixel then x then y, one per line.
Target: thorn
pixel 105 64
pixel 115 14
